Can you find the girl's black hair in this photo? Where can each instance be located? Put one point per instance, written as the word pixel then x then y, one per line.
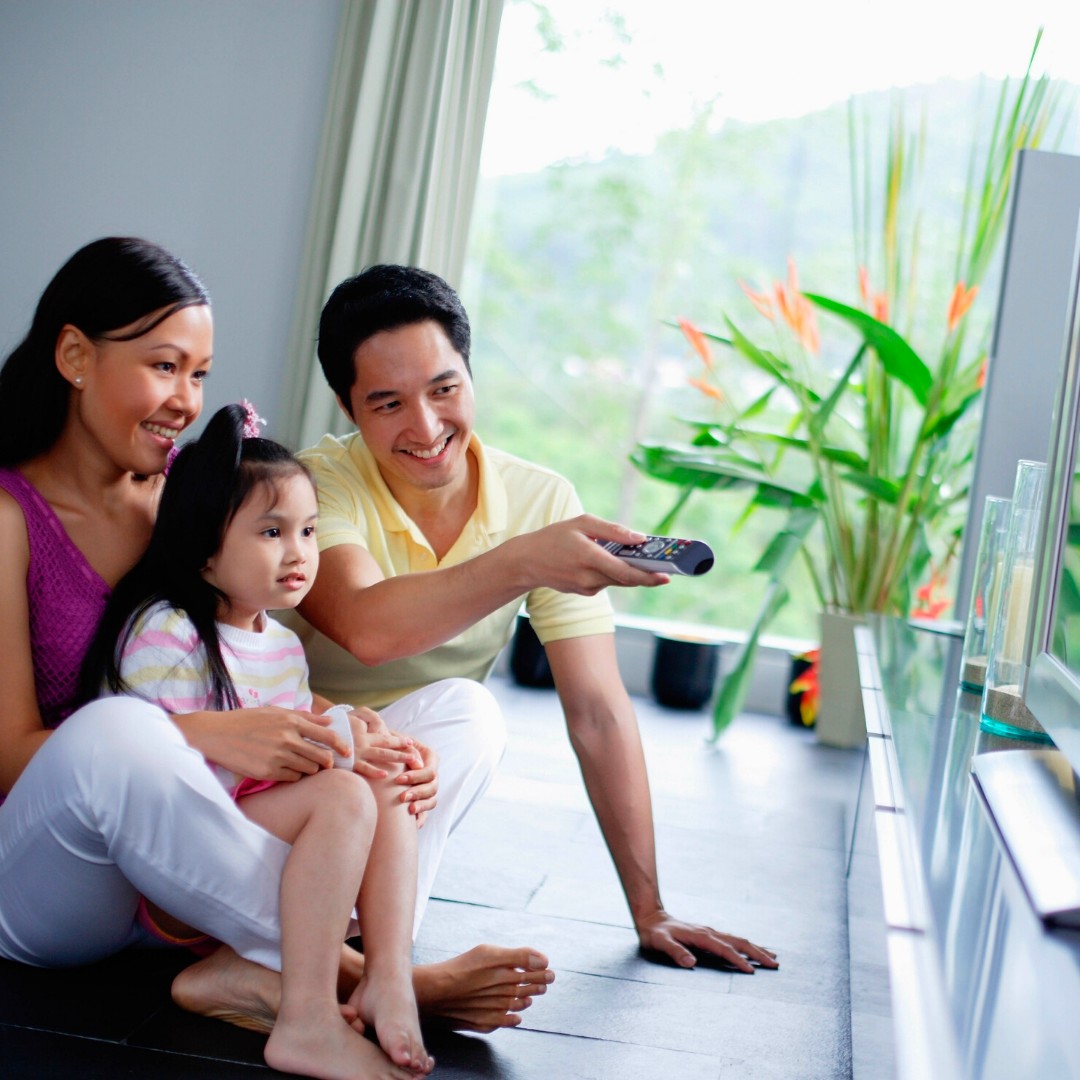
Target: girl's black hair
pixel 109 284
pixel 209 481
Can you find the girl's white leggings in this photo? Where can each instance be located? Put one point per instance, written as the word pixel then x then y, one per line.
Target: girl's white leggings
pixel 116 804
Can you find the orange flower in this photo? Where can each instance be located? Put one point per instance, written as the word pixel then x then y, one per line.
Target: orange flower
pixel 931 606
pixel 796 309
pixel 808 686
pixel 760 300
pixel 706 388
pixel 980 382
pixel 962 299
pixel 698 341
pixel 878 303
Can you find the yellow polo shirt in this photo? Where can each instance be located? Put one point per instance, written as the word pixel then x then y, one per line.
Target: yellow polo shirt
pixel 356 507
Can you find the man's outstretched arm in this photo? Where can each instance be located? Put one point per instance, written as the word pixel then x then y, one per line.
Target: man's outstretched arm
pixel 378 619
pixel 604 733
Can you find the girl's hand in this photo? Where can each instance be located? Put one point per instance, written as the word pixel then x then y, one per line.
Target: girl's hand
pixel 266 743
pixel 376 748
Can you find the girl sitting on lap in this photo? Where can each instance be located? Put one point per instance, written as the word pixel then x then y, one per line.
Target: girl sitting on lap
pixel 187 630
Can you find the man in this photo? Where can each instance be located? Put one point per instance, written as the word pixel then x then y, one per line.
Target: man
pixel 429 540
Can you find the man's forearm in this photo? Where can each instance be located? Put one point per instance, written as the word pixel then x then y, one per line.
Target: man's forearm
pixel 412 613
pixel 609 749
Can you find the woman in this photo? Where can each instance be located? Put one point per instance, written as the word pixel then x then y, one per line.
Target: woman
pixel 113 802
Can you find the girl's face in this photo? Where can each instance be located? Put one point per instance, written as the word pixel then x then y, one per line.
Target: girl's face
pixel 134 398
pixel 269 555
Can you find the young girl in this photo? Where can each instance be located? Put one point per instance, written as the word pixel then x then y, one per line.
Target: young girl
pixel 187 630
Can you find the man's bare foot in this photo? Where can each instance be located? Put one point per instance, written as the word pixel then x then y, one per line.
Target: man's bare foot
pixel 483 989
pixel 317 1042
pixel 227 987
pixel 388 1004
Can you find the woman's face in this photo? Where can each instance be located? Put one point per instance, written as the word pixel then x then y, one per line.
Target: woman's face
pixel 135 397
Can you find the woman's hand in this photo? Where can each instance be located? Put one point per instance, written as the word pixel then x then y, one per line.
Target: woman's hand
pixel 266 743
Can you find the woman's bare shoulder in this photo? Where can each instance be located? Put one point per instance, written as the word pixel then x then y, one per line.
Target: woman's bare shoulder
pixel 13 536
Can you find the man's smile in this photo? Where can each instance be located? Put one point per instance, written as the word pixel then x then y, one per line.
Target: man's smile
pixel 432 451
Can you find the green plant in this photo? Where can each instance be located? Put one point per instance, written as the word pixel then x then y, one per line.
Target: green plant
pixel 870 465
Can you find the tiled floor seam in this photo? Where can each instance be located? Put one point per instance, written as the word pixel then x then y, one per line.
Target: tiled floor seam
pixel 616 1042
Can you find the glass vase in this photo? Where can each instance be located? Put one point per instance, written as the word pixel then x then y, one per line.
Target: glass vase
pixel 989 560
pixel 1004 713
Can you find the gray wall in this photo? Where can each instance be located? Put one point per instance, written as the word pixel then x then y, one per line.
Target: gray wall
pixel 194 123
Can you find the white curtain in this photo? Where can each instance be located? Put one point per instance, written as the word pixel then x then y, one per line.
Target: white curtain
pixel 397 169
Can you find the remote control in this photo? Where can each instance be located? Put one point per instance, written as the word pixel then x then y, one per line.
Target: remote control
pixel 339 722
pixel 665 555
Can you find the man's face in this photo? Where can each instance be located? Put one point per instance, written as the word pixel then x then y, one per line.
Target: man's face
pixel 413 403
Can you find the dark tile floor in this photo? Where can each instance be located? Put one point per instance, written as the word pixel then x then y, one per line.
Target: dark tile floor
pixel 750 837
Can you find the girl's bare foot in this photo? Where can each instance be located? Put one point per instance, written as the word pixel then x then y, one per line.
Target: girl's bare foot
pixel 317 1042
pixel 483 989
pixel 227 987
pixel 389 1006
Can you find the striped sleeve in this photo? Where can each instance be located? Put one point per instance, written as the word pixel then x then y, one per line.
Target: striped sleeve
pixel 165 663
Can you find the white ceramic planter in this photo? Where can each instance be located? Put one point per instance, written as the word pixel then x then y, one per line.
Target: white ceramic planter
pixel 840 720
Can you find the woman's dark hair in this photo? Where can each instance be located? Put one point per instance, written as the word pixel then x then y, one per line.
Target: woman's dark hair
pixel 208 482
pixel 108 285
pixel 385 298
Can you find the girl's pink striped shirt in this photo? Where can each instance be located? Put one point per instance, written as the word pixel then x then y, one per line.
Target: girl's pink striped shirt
pixel 164 662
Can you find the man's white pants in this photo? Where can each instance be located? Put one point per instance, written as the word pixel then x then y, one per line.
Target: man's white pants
pixel 116 804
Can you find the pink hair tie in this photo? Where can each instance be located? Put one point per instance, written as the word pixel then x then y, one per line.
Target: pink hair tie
pixel 254 423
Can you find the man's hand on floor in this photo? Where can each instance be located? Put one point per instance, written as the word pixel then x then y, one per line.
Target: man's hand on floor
pixel 660 932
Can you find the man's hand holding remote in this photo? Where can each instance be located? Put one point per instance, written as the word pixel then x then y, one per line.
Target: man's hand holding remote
pixel 566 557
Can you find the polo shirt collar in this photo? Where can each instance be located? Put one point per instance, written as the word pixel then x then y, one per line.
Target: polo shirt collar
pixel 491 504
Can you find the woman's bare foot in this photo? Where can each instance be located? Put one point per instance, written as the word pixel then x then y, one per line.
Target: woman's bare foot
pixel 389 1006
pixel 317 1042
pixel 483 989
pixel 227 987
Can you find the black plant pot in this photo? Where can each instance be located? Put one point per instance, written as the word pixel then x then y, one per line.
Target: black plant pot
pixel 528 661
pixel 684 672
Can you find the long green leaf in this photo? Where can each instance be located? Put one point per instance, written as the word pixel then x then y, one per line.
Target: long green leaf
pixel 882 489
pixel 736 683
pixel 897 357
pixel 759 357
pixel 785 545
pixel 832 453
pixel 821 417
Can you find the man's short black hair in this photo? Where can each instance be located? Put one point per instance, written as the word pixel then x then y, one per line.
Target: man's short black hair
pixel 385 298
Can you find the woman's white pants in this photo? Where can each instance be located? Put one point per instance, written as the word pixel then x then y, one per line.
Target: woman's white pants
pixel 116 804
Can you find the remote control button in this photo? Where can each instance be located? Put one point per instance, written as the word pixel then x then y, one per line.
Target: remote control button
pixel 652 547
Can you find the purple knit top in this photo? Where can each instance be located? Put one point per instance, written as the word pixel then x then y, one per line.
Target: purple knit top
pixel 67 598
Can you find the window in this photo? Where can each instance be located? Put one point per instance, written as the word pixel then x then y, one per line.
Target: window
pixel 641 160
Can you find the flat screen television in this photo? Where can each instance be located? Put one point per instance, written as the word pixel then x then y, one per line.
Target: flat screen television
pixel 1052 689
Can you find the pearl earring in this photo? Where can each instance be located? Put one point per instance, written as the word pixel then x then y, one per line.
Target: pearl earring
pixel 78 381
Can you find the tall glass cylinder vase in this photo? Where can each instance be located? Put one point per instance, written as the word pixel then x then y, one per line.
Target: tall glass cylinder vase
pixel 989 560
pixel 1003 711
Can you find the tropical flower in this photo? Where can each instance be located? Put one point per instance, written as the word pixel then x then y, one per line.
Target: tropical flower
pixel 878 303
pixel 707 388
pixel 808 687
pixel 962 299
pixel 980 382
pixel 698 341
pixel 760 300
pixel 931 605
pixel 796 310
